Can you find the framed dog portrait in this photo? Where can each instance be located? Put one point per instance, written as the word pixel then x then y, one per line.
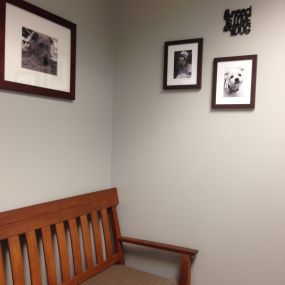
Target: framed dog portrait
pixel 37 51
pixel 234 82
pixel 183 64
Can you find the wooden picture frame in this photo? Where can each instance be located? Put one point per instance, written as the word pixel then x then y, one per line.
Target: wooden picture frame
pixel 234 82
pixel 37 51
pixel 183 64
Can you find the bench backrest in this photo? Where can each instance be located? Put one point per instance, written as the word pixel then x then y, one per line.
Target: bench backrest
pixel 77 235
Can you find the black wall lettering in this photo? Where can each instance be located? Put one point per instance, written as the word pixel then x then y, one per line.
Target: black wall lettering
pixel 238 22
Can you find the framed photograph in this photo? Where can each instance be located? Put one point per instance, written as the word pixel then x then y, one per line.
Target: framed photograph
pixel 37 51
pixel 183 64
pixel 234 82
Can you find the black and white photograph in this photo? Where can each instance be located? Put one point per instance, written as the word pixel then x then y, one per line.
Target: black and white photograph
pixel 234 81
pixel 39 51
pixel 183 64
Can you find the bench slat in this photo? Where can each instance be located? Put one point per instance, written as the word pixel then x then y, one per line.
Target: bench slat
pixel 107 233
pixel 98 199
pixel 86 241
pixel 49 256
pixel 20 221
pixel 97 237
pixel 2 268
pixel 73 229
pixel 117 233
pixel 63 251
pixel 34 258
pixel 16 260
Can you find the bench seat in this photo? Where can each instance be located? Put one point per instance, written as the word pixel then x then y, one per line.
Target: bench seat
pixel 124 275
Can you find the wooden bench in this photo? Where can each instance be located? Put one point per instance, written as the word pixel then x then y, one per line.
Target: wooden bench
pixel 71 240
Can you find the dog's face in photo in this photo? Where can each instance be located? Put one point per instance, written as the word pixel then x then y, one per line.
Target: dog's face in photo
pixel 41 47
pixel 182 60
pixel 182 64
pixel 39 51
pixel 233 81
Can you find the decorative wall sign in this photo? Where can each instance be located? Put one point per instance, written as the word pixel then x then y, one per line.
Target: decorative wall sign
pixel 37 51
pixel 234 82
pixel 183 64
pixel 238 22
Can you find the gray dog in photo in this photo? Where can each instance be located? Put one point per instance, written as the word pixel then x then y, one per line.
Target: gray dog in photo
pixel 38 53
pixel 233 81
pixel 40 48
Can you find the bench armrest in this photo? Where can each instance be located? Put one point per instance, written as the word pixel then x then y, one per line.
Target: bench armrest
pixel 158 245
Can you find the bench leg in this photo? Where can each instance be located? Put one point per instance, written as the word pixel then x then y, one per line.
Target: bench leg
pixel 185 270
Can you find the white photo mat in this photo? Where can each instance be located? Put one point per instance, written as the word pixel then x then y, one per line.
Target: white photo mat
pixel 16 19
pixel 183 64
pixel 171 55
pixel 234 82
pixel 222 67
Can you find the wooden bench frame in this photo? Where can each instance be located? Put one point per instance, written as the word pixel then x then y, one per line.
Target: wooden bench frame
pixel 77 217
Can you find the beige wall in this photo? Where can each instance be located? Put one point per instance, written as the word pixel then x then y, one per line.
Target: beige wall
pixel 51 148
pixel 212 180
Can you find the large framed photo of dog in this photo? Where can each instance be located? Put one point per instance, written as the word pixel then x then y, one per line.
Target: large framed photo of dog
pixel 37 51
pixel 234 82
pixel 183 64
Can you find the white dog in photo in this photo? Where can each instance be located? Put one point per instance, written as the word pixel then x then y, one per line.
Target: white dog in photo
pixel 233 82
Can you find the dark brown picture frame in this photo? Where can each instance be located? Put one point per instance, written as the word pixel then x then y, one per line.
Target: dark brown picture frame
pixel 26 88
pixel 251 89
pixel 198 71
